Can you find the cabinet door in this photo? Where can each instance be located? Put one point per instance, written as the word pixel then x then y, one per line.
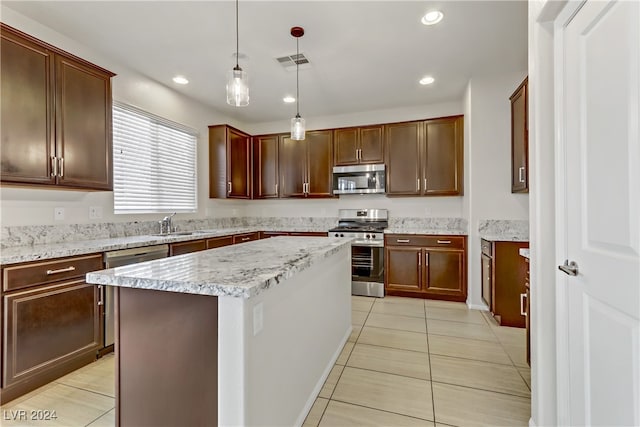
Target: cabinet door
pixel 26 119
pixel 444 274
pixel 443 164
pixel 403 154
pixel 371 145
pixel 265 167
pixel 187 247
pixel 486 281
pixel 346 146
pixel 404 268
pixel 292 157
pixel 83 125
pixel 319 163
pixel 47 326
pixel 238 164
pixel 519 140
pixel 218 242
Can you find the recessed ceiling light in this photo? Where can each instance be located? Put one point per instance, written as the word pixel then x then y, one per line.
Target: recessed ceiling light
pixel 427 80
pixel 289 99
pixel 180 80
pixel 432 18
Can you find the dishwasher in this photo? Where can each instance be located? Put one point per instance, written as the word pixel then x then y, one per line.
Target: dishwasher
pixel 117 259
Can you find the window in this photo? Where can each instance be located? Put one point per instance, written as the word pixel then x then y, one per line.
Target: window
pixel 154 163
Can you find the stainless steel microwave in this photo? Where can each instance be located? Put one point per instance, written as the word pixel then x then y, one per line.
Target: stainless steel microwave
pixel 359 179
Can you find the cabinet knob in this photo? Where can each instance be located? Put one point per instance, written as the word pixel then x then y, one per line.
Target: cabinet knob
pixel 229 184
pixel 521 174
pixel 522 309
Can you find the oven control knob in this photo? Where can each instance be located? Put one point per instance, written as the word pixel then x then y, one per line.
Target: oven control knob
pixel 368 236
pixel 373 236
pixel 336 235
pixel 341 234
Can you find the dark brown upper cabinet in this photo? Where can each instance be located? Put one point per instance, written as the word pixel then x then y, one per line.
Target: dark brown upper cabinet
pixel 229 163
pixel 358 145
pixel 306 166
pixel 55 116
pixel 265 166
pixel 520 139
pixel 425 158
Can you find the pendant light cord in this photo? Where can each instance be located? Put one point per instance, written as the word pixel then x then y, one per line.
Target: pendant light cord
pixel 237 38
pixel 297 77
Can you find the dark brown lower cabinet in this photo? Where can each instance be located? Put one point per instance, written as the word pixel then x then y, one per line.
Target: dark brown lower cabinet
pixel 187 247
pixel 527 285
pixel 218 242
pixel 506 280
pixel 48 331
pixel 246 237
pixel 426 266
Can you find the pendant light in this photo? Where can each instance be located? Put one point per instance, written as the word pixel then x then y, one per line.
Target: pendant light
pixel 297 123
pixel 237 79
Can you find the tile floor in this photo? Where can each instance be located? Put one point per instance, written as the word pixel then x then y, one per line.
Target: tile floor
pixel 425 363
pixel 407 362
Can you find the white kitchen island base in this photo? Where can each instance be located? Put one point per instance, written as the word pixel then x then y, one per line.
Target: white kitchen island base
pixel 243 335
pixel 276 349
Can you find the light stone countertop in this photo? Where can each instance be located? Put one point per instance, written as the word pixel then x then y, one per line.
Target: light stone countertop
pixel 505 237
pixel 239 271
pixel 18 254
pixel 524 252
pixel 418 230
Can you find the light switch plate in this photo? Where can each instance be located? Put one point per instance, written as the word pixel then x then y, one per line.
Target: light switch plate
pixel 95 212
pixel 258 318
pixel 58 214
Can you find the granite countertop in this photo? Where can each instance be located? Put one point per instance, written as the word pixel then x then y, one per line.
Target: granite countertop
pixel 524 252
pixel 18 254
pixel 418 230
pixel 505 237
pixel 239 271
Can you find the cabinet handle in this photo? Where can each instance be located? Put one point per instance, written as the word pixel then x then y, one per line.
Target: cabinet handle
pixel 276 189
pixel 425 184
pixel 522 310
pixel 521 174
pixel 444 242
pixel 426 259
pixel 403 240
pixel 419 259
pixel 100 300
pixel 244 239
pixel 62 270
pixel 229 184
pixel 360 154
pixel 54 166
pixel 61 167
pixel 418 184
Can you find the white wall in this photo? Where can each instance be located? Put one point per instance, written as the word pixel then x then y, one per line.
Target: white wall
pixel 28 206
pixel 488 144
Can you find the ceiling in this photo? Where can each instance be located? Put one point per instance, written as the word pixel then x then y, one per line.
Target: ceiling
pixel 365 55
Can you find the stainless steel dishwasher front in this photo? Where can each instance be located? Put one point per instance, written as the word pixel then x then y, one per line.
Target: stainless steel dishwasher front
pixel 117 259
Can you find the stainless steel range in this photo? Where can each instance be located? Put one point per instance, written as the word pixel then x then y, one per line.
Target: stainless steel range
pixel 367 251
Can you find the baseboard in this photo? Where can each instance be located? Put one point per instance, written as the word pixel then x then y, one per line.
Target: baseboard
pixel 531 423
pixel 481 307
pixel 323 378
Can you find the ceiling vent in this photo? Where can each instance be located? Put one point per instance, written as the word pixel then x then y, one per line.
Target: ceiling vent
pixel 289 62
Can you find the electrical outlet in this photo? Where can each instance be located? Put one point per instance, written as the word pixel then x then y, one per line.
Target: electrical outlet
pixel 95 212
pixel 58 214
pixel 258 318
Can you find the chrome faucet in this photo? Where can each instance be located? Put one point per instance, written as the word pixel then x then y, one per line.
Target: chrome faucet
pixel 165 224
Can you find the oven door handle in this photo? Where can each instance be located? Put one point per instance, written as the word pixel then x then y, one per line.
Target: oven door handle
pixel 367 244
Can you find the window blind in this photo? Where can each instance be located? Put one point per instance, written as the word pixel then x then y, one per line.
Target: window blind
pixel 154 163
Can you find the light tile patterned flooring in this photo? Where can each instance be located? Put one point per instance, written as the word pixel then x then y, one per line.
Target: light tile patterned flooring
pixel 425 363
pixel 407 362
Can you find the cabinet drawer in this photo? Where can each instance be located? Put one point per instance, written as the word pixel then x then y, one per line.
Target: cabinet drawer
pixel 187 247
pixel 39 273
pixel 246 237
pixel 487 247
pixel 218 242
pixel 452 242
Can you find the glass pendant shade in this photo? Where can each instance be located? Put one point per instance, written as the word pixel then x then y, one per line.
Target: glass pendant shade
pixel 297 128
pixel 237 88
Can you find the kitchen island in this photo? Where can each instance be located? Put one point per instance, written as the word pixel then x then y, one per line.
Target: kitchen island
pixel 239 335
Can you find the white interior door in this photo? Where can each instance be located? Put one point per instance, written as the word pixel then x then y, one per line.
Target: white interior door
pixel 598 47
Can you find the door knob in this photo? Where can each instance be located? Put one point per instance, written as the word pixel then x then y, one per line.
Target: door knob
pixel 570 268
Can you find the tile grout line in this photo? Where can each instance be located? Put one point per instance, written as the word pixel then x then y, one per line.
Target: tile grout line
pixel 88 391
pixel 382 410
pixel 482 389
pixel 433 399
pixel 100 416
